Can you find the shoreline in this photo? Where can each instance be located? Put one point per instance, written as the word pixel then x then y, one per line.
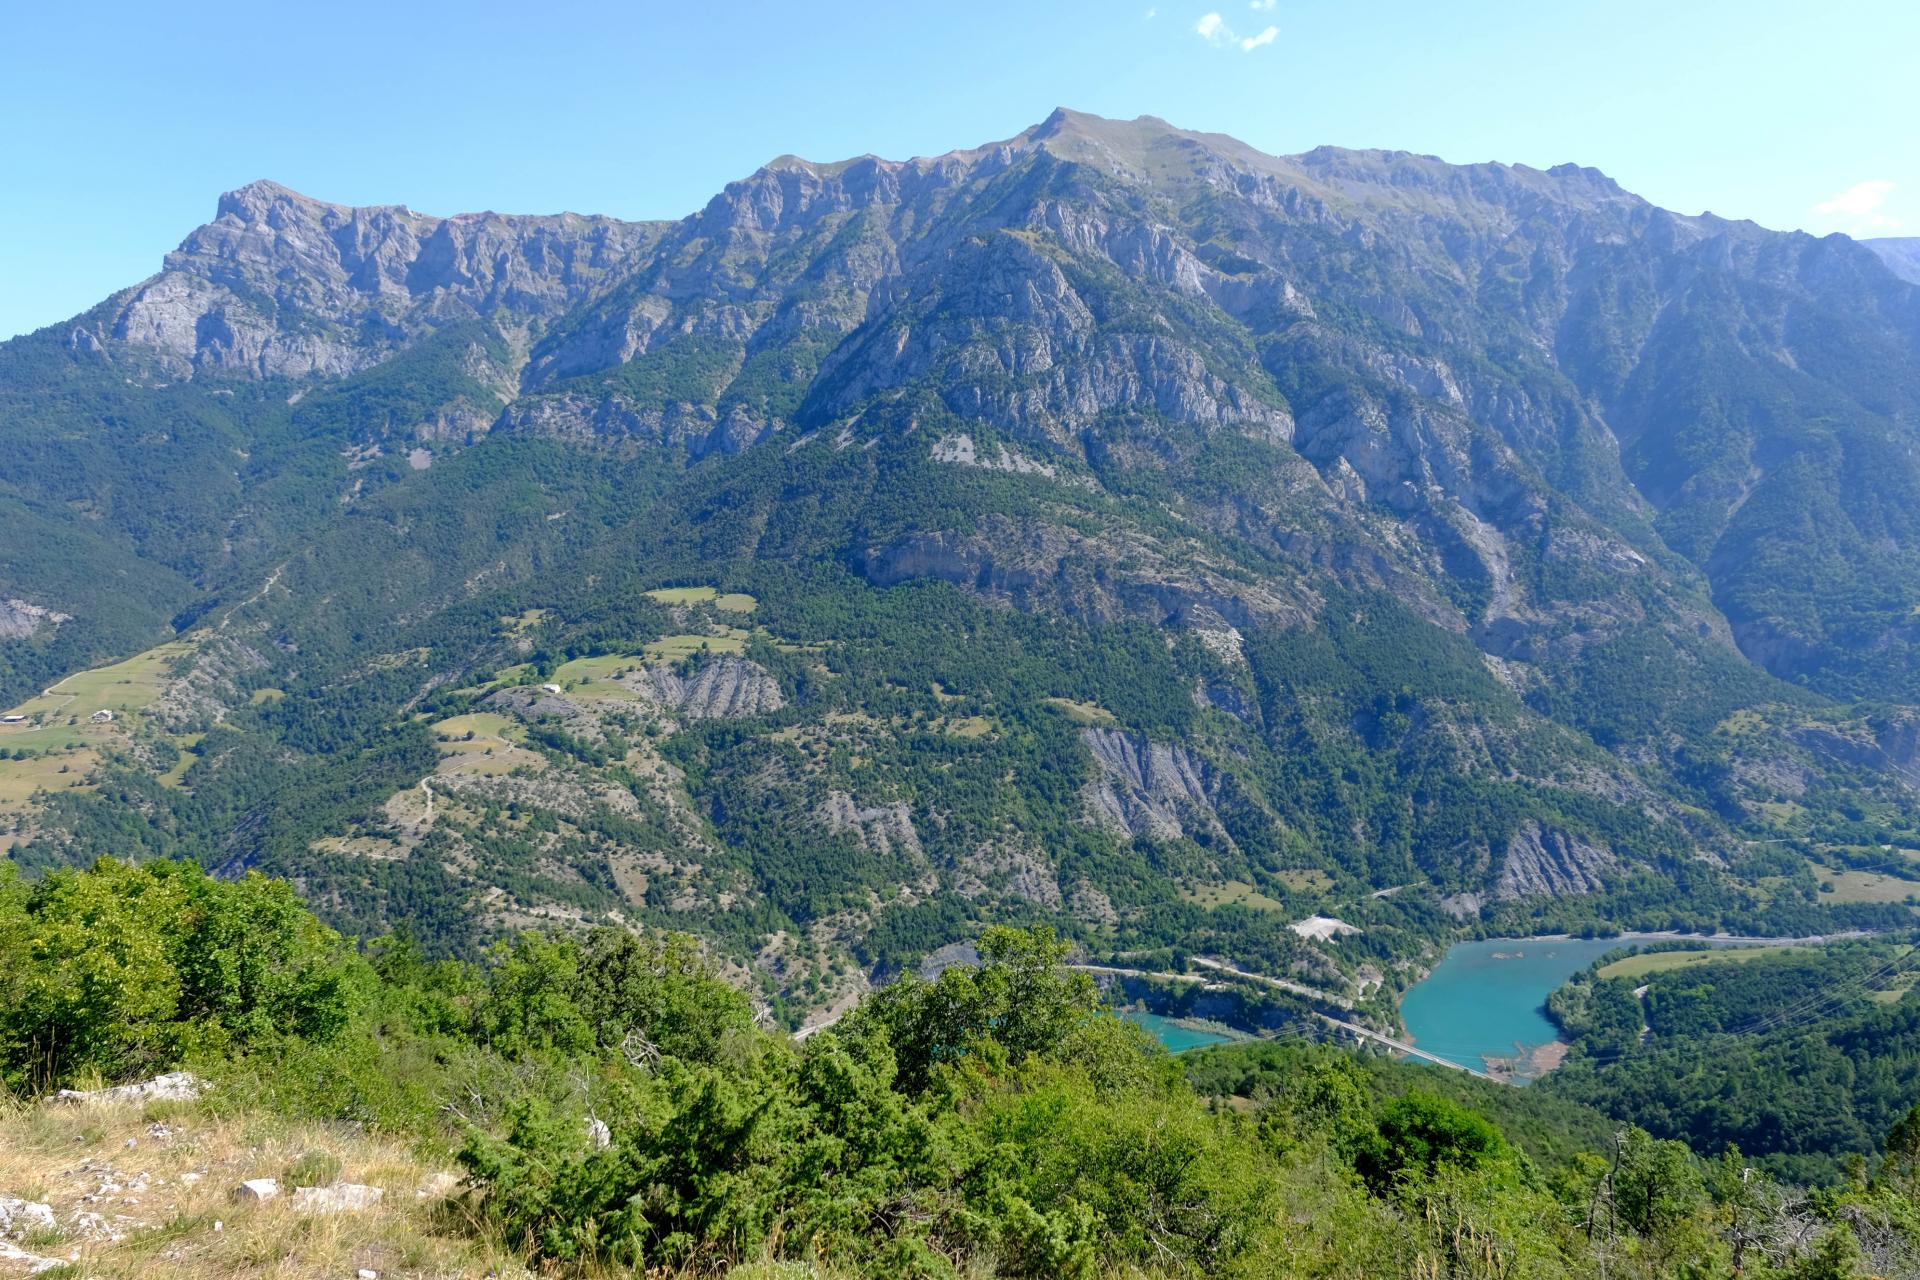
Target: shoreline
pixel 1671 935
pixel 1533 1063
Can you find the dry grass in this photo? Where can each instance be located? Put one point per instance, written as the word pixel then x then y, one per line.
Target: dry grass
pixel 1863 886
pixel 518 624
pixel 683 595
pixel 672 648
pixel 600 667
pixel 60 730
pixel 493 749
pixel 1083 712
pixel 124 686
pixel 177 771
pixel 160 1177
pixel 1662 961
pixel 20 779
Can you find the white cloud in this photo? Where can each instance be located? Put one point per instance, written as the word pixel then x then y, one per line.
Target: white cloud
pixel 1214 30
pixel 1152 14
pixel 1262 6
pixel 1861 207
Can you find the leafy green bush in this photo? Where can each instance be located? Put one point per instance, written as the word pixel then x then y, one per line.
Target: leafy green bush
pixel 1421 1135
pixel 126 969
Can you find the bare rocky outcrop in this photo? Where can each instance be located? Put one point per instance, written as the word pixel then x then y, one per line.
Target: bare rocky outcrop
pixel 1225 696
pixel 722 688
pixel 1010 867
pixel 960 450
pixel 534 702
pixel 882 829
pixel 209 684
pixel 20 619
pixel 279 284
pixel 174 1086
pixel 1889 745
pixel 18 1217
pixel 1545 862
pixel 1148 789
pixel 1090 904
pixel 1100 578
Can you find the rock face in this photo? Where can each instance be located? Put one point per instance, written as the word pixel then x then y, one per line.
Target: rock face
pixel 1112 297
pixel 1548 863
pixel 532 703
pixel 19 619
pixel 282 285
pixel 722 689
pixel 1890 744
pixel 1098 577
pixel 1148 789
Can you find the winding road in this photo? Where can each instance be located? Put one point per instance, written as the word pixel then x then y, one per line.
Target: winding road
pixel 1293 988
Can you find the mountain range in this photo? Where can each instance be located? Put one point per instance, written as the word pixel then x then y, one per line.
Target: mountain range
pixel 1113 526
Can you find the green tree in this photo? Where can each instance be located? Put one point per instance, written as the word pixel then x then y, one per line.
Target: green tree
pixel 1420 1134
pixel 122 969
pixel 1019 1001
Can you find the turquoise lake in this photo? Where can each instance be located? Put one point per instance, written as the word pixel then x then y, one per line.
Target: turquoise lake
pixel 1487 999
pixel 1173 1035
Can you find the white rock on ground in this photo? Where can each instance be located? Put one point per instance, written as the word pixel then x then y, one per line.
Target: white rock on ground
pixel 175 1086
pixel 343 1197
pixel 10 1252
pixel 17 1216
pixel 256 1190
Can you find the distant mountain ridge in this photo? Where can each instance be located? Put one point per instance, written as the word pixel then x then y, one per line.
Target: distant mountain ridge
pixel 1900 253
pixel 1313 525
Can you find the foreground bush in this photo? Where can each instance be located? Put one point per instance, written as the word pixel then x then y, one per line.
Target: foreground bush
pixel 615 1107
pixel 124 969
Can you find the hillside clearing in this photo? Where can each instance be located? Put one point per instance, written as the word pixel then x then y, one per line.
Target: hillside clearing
pixel 1863 886
pixel 1665 961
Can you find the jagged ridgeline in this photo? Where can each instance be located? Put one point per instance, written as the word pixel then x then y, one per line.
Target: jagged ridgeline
pixel 1113 527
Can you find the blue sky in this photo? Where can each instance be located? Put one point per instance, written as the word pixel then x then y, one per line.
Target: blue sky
pixel 121 123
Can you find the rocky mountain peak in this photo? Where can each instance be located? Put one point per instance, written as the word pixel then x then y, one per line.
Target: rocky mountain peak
pixel 265 200
pixel 281 284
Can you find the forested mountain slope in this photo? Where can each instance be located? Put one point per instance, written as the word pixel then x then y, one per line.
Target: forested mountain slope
pixel 1113 526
